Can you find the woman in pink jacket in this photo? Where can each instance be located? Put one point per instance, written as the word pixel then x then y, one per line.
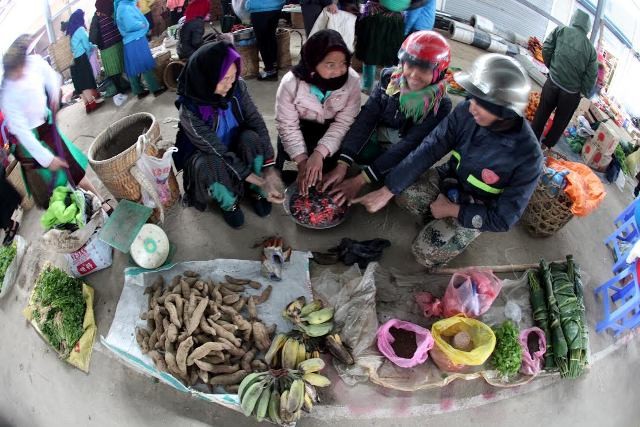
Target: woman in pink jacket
pixel 316 103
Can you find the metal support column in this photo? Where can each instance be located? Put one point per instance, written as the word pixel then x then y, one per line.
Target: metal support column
pixel 48 24
pixel 596 21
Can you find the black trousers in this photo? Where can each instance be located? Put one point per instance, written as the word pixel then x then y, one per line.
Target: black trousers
pixel 563 102
pixel 310 13
pixel 264 26
pixel 312 133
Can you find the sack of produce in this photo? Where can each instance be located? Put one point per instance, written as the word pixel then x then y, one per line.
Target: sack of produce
pixel 61 311
pixel 10 258
pixel 403 343
pixel 470 292
pixel 461 343
pixel 534 345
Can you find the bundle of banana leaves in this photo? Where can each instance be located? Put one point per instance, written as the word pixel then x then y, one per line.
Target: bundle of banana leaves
pixel 558 340
pixel 557 300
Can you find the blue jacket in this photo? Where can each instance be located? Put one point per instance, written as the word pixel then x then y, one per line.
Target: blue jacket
pixel 513 158
pixel 80 43
pixel 131 22
pixel 254 6
pixel 384 110
pixel 422 18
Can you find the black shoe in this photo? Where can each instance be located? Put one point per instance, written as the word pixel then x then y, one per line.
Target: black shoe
pixel 159 92
pixel 234 216
pixel 10 233
pixel 261 206
pixel 143 94
pixel 268 75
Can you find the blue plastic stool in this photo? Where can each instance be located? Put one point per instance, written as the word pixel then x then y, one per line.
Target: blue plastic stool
pixel 621 241
pixel 621 301
pixel 627 213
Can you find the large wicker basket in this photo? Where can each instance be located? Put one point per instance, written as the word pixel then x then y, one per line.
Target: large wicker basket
pixel 113 156
pixel 171 73
pixel 60 51
pixel 162 61
pixel 283 36
pixel 250 61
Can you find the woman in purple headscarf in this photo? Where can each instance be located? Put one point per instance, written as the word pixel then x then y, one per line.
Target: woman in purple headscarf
pixel 84 81
pixel 224 145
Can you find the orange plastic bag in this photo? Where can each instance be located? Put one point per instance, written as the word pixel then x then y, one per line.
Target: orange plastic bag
pixel 584 188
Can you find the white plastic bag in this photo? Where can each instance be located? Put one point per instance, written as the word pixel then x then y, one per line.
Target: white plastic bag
pixel 343 22
pixel 157 171
pixel 11 274
pixel 94 256
pixel 239 8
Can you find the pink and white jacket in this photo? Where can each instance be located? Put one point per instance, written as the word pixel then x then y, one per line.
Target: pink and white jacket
pixel 295 102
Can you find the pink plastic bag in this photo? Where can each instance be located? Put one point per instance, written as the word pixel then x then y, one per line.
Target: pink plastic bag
pixel 424 343
pixel 470 292
pixel 532 362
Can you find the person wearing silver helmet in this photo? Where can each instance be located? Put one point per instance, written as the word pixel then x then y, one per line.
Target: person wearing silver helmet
pixel 490 176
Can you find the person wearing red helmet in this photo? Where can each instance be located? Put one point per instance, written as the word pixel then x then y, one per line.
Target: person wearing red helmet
pixel 405 106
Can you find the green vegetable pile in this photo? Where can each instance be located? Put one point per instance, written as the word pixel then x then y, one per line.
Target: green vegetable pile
pixel 622 159
pixel 507 356
pixel 59 309
pixel 557 300
pixel 7 254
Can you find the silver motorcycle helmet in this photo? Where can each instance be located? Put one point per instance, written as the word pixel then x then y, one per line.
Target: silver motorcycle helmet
pixel 498 79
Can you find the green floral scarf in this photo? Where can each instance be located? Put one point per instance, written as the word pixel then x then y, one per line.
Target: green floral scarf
pixel 416 104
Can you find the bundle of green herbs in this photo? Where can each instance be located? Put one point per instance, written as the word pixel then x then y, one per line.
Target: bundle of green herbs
pixel 59 309
pixel 7 255
pixel 507 355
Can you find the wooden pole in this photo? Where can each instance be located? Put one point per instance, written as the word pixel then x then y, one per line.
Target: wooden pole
pixel 511 268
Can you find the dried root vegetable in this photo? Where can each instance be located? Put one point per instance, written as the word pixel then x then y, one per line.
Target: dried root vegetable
pixel 203 332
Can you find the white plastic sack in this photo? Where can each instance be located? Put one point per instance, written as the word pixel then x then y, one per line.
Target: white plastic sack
pixel 11 275
pixel 343 22
pixel 157 171
pixel 239 8
pixel 94 256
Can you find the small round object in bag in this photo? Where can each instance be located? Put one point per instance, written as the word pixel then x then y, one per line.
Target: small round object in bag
pixel 150 248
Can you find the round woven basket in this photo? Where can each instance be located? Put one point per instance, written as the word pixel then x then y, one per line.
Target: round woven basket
pixel 283 36
pixel 171 73
pixel 162 61
pixel 60 51
pixel 250 61
pixel 546 213
pixel 113 156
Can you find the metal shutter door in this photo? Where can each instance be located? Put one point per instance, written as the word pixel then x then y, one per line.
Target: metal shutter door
pixel 507 14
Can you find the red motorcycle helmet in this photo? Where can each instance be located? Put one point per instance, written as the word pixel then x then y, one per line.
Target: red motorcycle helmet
pixel 427 49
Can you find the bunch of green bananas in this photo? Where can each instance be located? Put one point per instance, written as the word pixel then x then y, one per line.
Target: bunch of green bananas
pixel 313 318
pixel 282 394
pixel 289 350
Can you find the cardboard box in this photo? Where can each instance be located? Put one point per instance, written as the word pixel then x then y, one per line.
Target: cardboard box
pixel 594 157
pixel 606 137
pixel 598 114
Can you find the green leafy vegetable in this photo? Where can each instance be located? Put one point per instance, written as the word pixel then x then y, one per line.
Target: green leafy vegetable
pixel 7 254
pixel 507 355
pixel 59 309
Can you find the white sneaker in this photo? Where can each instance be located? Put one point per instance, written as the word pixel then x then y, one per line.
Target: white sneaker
pixel 119 99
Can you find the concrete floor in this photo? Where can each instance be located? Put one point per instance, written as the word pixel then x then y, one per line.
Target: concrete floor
pixel 39 390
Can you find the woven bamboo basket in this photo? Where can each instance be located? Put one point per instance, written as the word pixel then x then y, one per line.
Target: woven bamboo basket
pixel 60 51
pixel 296 20
pixel 546 213
pixel 14 176
pixel 171 73
pixel 283 37
pixel 113 156
pixel 162 61
pixel 250 61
